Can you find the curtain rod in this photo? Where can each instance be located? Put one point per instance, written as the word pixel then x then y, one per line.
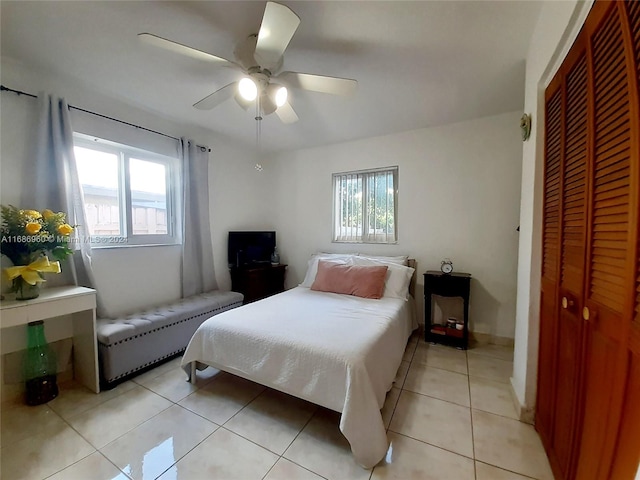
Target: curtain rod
pixel 18 92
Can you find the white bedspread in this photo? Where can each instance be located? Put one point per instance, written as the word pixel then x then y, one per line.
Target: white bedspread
pixel 338 351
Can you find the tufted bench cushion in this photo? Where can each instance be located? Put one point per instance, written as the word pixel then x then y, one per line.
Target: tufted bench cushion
pixel 136 341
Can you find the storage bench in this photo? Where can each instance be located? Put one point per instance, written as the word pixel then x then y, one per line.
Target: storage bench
pixel 139 340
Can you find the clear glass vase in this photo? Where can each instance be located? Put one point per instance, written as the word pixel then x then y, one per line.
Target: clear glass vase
pixel 25 291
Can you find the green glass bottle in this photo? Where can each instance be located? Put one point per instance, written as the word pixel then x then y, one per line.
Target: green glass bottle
pixel 40 367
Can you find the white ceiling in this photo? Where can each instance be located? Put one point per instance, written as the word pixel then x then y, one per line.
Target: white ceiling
pixel 418 64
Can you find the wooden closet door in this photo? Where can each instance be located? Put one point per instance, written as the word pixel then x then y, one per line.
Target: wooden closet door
pixel 588 411
pixel 627 452
pixel 550 265
pixel 564 243
pixel 572 258
pixel 612 240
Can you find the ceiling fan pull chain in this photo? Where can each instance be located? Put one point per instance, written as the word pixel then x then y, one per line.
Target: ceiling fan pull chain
pixel 258 119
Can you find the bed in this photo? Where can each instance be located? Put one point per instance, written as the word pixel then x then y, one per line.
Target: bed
pixel 338 351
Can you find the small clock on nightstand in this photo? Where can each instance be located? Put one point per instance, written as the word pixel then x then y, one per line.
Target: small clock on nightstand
pixel 446 266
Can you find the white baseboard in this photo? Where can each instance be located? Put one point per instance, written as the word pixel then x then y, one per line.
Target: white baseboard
pixel 484 338
pixel 525 413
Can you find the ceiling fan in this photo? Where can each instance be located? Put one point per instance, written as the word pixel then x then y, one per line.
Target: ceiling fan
pixel 260 58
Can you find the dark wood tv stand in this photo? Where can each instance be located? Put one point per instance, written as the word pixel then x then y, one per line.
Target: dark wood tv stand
pixel 258 281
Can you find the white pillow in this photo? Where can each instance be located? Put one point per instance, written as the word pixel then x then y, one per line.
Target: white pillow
pixel 400 259
pixel 398 276
pixel 312 265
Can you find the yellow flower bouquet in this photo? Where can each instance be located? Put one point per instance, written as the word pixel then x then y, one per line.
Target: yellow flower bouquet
pixel 27 236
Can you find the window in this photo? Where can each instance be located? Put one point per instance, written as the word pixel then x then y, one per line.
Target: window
pixel 365 206
pixel 130 195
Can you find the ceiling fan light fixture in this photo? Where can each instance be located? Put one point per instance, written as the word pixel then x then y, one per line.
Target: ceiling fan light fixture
pixel 248 89
pixel 277 95
pixel 245 104
pixel 281 96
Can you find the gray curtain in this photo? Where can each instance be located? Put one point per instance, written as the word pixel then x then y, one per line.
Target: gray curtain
pixel 198 274
pixel 52 182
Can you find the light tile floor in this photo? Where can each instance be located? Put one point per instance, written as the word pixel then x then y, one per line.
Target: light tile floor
pixel 449 416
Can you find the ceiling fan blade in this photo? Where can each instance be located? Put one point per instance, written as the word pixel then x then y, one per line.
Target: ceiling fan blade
pixel 172 46
pixel 319 83
pixel 267 105
pixel 279 23
pixel 287 114
pixel 217 97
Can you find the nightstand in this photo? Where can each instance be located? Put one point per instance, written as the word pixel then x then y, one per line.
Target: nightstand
pixel 256 282
pixel 446 285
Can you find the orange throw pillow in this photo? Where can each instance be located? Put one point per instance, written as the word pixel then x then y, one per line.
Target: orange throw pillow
pixel 361 281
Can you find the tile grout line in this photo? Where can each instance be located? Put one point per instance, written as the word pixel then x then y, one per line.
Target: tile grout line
pixel 216 424
pixel 64 420
pixel 484 354
pixel 154 416
pixel 79 434
pixel 297 464
pixel 473 438
pixel 422 441
pixel 439 447
pixel 441 369
pixel 475 460
pixel 119 469
pixel 84 458
pixel 298 434
pixel 442 349
pixel 401 388
pixel 102 402
pixel 439 399
pixel 510 471
pixel 198 443
pixel 99 450
pixel 291 443
pixel 280 456
pixel 489 379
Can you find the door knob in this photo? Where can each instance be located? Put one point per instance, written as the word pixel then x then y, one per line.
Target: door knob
pixel 586 314
pixel 566 303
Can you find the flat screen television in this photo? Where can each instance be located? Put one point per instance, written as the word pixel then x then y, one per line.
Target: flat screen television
pixel 250 248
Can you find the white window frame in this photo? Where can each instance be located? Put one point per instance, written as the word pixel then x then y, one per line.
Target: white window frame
pixel 365 237
pixel 124 154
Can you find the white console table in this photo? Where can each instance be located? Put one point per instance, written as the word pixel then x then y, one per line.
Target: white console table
pixel 80 303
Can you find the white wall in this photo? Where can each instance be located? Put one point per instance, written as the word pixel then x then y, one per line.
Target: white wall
pixel 459 190
pixel 241 199
pixel 135 277
pixel 557 27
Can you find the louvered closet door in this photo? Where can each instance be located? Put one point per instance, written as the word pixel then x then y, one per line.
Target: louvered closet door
pixel 572 258
pixel 609 286
pixel 550 265
pixel 564 248
pixel 627 455
pixel 588 411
